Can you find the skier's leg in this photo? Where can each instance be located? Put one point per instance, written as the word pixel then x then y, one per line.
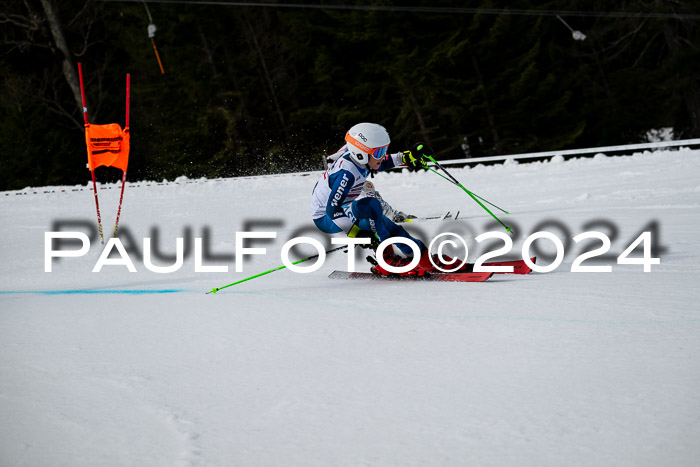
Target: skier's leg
pixel 368 212
pixel 393 214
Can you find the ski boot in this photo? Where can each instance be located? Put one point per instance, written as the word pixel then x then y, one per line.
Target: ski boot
pixel 396 261
pixel 447 264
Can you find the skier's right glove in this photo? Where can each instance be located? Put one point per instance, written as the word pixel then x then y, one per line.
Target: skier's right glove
pixel 416 157
pixel 357 232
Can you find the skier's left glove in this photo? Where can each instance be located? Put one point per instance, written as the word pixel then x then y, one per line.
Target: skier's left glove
pixel 357 232
pixel 416 157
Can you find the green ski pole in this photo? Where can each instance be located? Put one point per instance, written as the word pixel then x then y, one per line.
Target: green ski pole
pixel 216 289
pixel 482 199
pixel 474 197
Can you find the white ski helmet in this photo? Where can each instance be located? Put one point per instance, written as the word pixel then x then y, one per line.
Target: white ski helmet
pixel 367 140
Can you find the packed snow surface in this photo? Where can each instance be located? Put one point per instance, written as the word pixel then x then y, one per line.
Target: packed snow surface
pixel 116 368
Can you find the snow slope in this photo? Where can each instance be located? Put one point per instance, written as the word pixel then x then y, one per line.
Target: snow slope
pixel 582 369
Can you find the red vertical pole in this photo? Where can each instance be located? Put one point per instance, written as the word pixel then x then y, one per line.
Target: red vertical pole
pixel 97 206
pixel 126 129
pixel 92 171
pixel 82 92
pixel 119 211
pixel 128 87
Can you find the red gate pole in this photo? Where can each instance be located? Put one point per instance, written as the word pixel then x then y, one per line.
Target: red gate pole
pixel 92 171
pixel 126 130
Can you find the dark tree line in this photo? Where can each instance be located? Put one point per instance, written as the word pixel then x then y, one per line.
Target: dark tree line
pixel 250 90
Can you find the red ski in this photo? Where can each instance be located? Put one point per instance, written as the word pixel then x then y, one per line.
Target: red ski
pixel 446 277
pixel 519 266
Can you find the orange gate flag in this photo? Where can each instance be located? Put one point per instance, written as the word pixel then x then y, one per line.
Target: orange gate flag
pixel 107 145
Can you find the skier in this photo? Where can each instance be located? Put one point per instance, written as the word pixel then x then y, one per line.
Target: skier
pixel 368 188
pixel 338 203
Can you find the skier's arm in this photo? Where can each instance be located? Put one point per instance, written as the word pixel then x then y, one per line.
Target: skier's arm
pixel 340 182
pixel 415 158
pixel 391 161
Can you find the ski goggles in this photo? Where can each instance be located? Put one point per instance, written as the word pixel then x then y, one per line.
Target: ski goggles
pixel 376 153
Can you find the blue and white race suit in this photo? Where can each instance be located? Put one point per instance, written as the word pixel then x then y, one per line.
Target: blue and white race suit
pixel 336 203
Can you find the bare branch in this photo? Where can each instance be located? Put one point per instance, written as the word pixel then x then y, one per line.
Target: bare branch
pixel 80 13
